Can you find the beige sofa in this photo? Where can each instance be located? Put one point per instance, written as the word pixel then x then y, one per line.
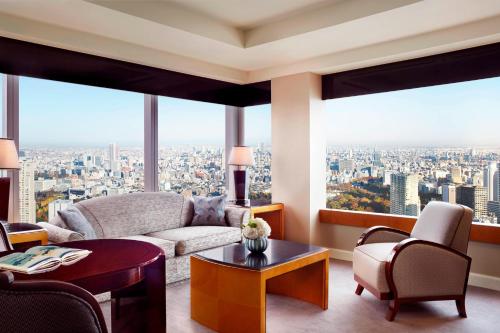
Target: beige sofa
pixel 159 218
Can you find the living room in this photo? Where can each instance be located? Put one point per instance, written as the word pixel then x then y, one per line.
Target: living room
pixel 280 166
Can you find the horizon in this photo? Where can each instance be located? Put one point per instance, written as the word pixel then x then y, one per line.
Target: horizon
pixel 453 115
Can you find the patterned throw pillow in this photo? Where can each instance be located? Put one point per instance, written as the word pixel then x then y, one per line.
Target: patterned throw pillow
pixel 75 221
pixel 209 211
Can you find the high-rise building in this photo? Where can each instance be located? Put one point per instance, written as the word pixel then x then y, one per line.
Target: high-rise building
pixel 27 203
pixel 475 197
pixel 113 157
pixel 494 208
pixel 456 175
pixel 56 206
pixel 490 180
pixel 404 194
pixel 449 193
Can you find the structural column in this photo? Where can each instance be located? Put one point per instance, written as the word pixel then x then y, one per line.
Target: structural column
pixel 299 152
pixel 150 143
pixel 11 130
pixel 235 136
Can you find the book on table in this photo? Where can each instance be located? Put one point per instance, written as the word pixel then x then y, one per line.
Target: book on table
pixel 40 259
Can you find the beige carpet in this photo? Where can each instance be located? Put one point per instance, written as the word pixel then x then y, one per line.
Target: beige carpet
pixel 350 313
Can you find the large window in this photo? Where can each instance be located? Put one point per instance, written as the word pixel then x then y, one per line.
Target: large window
pixel 191 147
pixel 258 136
pixel 394 152
pixel 76 142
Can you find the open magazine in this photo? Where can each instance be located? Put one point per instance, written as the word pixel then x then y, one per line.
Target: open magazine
pixel 41 259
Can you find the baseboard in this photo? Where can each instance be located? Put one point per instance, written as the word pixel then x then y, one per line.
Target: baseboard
pixel 341 254
pixel 484 281
pixel 475 279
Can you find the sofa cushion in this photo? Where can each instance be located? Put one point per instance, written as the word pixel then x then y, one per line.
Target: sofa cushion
pixel 209 211
pixel 369 264
pixel 198 238
pixel 167 246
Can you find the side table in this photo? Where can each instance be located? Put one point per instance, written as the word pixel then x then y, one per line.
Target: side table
pixel 274 214
pixel 25 235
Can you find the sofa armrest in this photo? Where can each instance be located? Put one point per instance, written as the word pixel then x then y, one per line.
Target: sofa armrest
pixel 380 234
pixel 418 269
pixel 60 235
pixel 237 216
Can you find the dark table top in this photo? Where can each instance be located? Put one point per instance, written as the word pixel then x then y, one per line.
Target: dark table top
pixel 277 252
pixel 108 257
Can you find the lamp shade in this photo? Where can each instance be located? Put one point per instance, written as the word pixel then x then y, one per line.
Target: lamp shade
pixel 8 154
pixel 241 155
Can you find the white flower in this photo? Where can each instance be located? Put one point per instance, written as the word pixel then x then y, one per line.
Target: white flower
pixel 256 228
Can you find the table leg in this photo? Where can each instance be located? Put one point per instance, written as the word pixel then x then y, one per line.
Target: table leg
pixel 308 283
pixel 227 299
pixel 142 308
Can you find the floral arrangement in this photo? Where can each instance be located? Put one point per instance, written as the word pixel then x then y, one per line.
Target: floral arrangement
pixel 256 228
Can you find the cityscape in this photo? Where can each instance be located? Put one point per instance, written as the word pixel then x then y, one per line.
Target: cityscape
pixel 53 178
pixel 402 181
pixel 397 181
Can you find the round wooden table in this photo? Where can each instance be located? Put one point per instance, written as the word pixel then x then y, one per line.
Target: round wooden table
pixel 133 271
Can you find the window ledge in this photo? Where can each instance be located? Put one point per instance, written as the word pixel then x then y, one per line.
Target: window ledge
pixel 480 232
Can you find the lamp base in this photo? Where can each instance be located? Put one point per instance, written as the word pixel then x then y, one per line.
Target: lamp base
pixel 241 187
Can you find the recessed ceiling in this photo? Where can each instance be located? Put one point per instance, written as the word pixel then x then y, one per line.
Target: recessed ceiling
pixel 253 40
pixel 248 14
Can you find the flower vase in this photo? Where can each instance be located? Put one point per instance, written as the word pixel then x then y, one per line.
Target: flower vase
pixel 257 245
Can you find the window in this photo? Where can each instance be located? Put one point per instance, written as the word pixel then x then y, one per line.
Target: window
pixel 191 138
pixel 394 152
pixel 258 136
pixel 76 142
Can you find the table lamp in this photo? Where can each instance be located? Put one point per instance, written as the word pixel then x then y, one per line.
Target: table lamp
pixel 241 157
pixel 8 161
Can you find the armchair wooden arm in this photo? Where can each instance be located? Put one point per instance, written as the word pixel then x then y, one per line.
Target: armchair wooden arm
pixel 437 273
pixel 381 234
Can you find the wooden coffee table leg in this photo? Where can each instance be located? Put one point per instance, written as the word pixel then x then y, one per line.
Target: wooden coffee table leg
pixel 142 307
pixel 309 283
pixel 227 299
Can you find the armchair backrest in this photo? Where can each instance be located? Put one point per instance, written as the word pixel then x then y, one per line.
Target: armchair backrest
pixel 4 239
pixel 444 223
pixel 47 306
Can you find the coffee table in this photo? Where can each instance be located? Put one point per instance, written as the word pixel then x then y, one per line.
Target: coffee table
pixel 133 271
pixel 229 284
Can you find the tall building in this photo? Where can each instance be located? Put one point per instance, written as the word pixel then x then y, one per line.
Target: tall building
pixel 449 193
pixel 27 203
pixel 113 157
pixel 494 208
pixel 456 175
pixel 404 194
pixel 56 206
pixel 490 180
pixel 475 197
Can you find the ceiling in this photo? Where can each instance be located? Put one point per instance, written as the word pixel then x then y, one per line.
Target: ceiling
pixel 245 41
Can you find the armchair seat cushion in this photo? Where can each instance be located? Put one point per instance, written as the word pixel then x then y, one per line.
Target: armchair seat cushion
pixel 369 264
pixel 193 239
pixel 167 246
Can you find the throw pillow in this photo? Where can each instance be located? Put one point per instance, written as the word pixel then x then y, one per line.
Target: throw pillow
pixel 209 211
pixel 75 221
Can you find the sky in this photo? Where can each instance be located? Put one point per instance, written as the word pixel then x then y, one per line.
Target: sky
pixel 461 114
pixel 62 114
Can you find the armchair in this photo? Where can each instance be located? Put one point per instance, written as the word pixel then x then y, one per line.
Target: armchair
pixel 428 264
pixel 47 307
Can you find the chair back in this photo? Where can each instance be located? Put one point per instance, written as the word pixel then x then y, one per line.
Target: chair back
pixel 4 239
pixel 47 306
pixel 446 224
